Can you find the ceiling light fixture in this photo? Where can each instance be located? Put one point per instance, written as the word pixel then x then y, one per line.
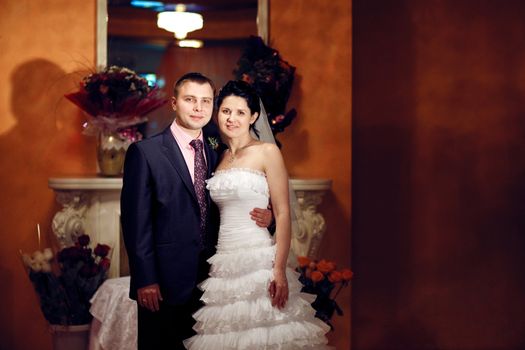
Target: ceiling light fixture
pixel 179 21
pixel 196 44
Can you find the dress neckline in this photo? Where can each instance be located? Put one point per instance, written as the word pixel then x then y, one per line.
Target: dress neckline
pixel 248 170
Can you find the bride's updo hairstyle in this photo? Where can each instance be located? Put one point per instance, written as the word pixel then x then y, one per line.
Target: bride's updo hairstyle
pixel 242 89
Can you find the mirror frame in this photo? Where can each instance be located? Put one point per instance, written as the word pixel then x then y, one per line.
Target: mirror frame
pixel 101 58
pixel 101 54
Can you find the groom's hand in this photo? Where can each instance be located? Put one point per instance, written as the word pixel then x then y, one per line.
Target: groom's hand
pixel 262 217
pixel 149 297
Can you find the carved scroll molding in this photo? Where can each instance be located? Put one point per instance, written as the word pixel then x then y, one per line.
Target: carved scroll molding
pixel 69 223
pixel 311 226
pixel 92 206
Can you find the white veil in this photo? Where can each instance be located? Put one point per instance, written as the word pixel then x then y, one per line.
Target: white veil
pixel 266 135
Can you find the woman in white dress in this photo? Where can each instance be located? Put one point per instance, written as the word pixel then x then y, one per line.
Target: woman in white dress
pixel 252 300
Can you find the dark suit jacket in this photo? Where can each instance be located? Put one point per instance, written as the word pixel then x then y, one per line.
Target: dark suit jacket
pixel 160 218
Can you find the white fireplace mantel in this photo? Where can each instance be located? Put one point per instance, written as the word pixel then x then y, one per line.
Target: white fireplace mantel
pixel 91 205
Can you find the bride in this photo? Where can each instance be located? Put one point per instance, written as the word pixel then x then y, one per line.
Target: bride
pixel 252 301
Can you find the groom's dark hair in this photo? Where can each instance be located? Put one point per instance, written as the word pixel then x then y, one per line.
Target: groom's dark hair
pixel 193 77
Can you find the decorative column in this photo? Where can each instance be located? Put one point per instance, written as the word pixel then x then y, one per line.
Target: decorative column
pixel 308 233
pixel 90 205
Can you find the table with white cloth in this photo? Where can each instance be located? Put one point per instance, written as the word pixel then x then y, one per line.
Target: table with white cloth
pixel 114 325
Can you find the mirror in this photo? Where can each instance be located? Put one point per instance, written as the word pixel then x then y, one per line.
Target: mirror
pixel 132 39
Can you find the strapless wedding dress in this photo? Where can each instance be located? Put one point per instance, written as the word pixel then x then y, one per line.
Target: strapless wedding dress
pixel 238 313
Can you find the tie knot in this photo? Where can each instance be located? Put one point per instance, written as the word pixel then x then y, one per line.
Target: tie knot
pixel 196 144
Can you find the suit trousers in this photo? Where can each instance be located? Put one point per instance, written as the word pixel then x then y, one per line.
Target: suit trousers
pixel 168 327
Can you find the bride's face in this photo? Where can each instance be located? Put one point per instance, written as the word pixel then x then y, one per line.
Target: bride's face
pixel 234 116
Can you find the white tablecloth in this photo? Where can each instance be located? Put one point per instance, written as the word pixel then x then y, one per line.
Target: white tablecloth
pixel 114 325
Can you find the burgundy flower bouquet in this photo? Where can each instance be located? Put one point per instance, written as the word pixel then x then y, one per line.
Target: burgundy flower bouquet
pixel 115 98
pixel 64 296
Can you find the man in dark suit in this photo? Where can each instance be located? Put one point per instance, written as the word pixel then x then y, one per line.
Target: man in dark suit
pixel 169 223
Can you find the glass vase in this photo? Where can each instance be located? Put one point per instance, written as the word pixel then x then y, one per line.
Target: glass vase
pixel 111 151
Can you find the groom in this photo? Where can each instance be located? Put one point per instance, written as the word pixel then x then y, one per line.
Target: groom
pixel 169 223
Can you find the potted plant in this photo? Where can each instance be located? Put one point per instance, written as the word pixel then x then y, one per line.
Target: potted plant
pixel 64 284
pixel 322 278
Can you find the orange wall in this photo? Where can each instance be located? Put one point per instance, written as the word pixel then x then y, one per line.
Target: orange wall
pixel 315 37
pixel 43 46
pixel 438 175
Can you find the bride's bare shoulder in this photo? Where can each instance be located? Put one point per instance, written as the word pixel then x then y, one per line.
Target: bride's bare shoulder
pixel 266 146
pixel 269 153
pixel 265 151
pixel 270 148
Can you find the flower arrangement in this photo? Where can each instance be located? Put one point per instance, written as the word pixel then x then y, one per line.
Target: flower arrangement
pixel 64 297
pixel 321 278
pixel 115 98
pixel 272 77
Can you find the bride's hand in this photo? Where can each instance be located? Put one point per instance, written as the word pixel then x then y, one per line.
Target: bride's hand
pixel 279 289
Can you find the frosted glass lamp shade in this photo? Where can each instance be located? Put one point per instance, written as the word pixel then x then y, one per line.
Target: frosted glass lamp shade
pixel 179 22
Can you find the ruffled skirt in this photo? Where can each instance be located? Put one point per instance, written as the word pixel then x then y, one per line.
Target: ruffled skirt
pixel 238 313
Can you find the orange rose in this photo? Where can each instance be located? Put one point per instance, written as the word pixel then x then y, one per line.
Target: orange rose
pixel 303 261
pixel 347 274
pixel 326 266
pixel 312 265
pixel 317 276
pixel 335 276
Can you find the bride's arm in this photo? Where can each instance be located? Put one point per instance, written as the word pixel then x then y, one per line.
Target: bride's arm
pixel 277 178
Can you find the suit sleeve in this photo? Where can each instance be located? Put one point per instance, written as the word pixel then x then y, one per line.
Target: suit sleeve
pixel 136 203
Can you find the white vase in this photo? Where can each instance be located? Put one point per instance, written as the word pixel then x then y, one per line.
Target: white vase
pixel 70 337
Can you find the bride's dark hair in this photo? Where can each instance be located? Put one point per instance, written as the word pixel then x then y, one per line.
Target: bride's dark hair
pixel 242 89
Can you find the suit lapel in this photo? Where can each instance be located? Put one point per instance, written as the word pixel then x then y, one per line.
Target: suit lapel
pixel 211 158
pixel 174 154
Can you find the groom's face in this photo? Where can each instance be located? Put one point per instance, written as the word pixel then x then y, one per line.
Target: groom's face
pixel 193 105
